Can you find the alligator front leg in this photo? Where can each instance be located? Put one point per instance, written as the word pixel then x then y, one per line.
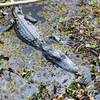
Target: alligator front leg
pixel 60 40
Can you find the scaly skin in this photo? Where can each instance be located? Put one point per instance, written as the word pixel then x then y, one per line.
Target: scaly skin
pixel 29 34
pixel 25 30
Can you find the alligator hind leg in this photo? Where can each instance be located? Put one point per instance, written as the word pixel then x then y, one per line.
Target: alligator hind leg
pixel 8 22
pixel 6 27
pixel 27 17
pixel 30 19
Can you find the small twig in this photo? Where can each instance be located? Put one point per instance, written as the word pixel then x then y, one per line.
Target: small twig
pixel 17 3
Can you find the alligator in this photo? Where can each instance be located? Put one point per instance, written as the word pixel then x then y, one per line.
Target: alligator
pixel 28 33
